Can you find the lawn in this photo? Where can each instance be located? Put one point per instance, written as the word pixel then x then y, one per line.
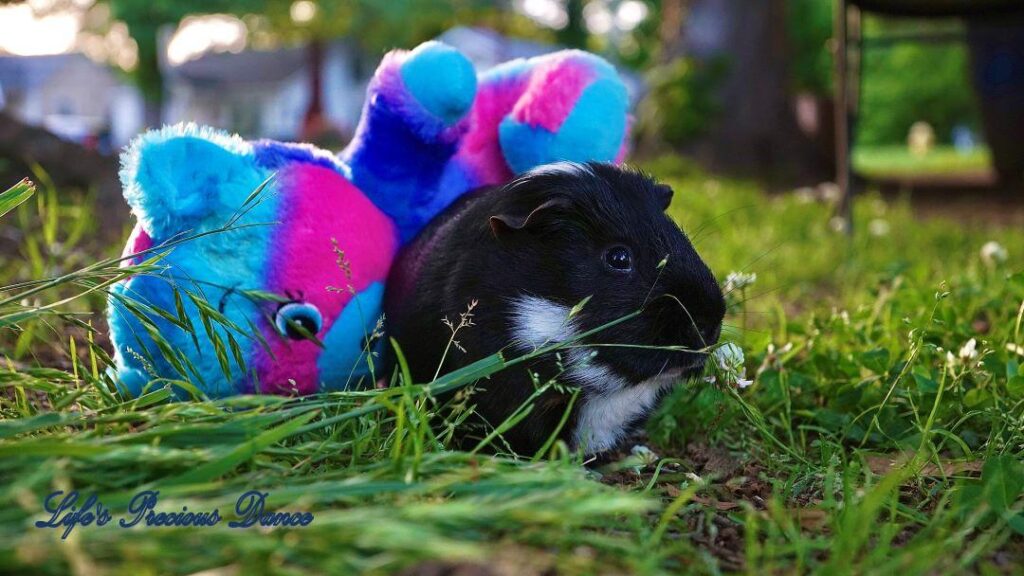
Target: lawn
pixel 897 161
pixel 884 430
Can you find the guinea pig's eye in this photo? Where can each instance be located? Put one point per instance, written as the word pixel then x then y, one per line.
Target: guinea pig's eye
pixel 619 258
pixel 293 315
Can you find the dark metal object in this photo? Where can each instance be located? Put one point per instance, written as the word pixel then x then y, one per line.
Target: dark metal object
pixel 849 41
pixel 937 8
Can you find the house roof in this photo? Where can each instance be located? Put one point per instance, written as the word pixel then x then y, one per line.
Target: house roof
pixel 485 46
pixel 21 73
pixel 250 66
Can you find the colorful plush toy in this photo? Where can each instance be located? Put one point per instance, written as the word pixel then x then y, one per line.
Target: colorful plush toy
pixel 287 299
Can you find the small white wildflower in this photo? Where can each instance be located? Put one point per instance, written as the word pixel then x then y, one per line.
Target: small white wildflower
pixel 830 191
pixel 693 477
pixel 645 454
pixel 993 253
pixel 969 351
pixel 1015 348
pixel 739 280
pixel 729 361
pixel 805 195
pixel 837 224
pixel 879 227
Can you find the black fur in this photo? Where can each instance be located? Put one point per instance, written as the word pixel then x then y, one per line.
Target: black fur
pixel 495 245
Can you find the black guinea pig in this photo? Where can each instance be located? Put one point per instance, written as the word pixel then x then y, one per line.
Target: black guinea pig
pixel 527 252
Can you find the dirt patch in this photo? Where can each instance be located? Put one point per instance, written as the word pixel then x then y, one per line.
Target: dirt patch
pixel 711 519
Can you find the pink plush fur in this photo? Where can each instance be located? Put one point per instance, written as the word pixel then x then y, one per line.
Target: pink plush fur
pixel 481 148
pixel 555 86
pixel 137 242
pixel 318 207
pixel 624 148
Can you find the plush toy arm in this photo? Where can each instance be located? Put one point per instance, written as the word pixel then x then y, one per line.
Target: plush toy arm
pixel 570 105
pixel 411 125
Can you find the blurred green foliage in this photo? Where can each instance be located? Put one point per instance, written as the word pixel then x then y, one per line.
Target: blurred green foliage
pixel 903 83
pixel 681 103
pixel 914 82
pixel 810 30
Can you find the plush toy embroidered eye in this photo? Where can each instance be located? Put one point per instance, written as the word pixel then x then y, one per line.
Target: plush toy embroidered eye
pixel 298 320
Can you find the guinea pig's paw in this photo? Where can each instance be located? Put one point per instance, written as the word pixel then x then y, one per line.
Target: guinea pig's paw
pixel 593 129
pixel 441 79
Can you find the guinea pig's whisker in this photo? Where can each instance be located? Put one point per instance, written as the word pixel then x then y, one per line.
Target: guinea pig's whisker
pixel 666 348
pixel 706 225
pixel 693 323
pixel 750 330
pixel 757 259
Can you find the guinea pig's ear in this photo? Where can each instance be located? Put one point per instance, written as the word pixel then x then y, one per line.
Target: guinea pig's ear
pixel 506 223
pixel 663 192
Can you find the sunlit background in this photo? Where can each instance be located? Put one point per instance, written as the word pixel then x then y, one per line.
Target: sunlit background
pixel 742 87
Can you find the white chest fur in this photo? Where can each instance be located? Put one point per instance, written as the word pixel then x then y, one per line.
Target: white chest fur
pixel 609 403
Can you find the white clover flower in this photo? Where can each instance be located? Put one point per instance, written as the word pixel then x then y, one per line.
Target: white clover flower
pixel 830 191
pixel 739 280
pixel 969 351
pixel 879 227
pixel 645 454
pixel 804 195
pixel 993 253
pixel 837 224
pixel 729 362
pixel 1015 348
pixel 966 357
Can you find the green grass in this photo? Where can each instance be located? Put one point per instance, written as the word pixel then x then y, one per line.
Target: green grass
pixel 897 161
pixel 860 448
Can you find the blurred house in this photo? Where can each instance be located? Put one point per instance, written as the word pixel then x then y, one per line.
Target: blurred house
pixel 486 48
pixel 73 97
pixel 264 93
pixel 256 93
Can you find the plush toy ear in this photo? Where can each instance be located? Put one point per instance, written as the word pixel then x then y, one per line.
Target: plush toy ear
pixel 502 224
pixel 176 176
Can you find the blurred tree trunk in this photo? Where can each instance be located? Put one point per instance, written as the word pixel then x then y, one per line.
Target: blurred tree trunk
pixel 148 75
pixel 756 132
pixel 670 30
pixel 574 34
pixel 314 123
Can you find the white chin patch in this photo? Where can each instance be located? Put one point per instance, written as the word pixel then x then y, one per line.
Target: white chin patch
pixel 608 403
